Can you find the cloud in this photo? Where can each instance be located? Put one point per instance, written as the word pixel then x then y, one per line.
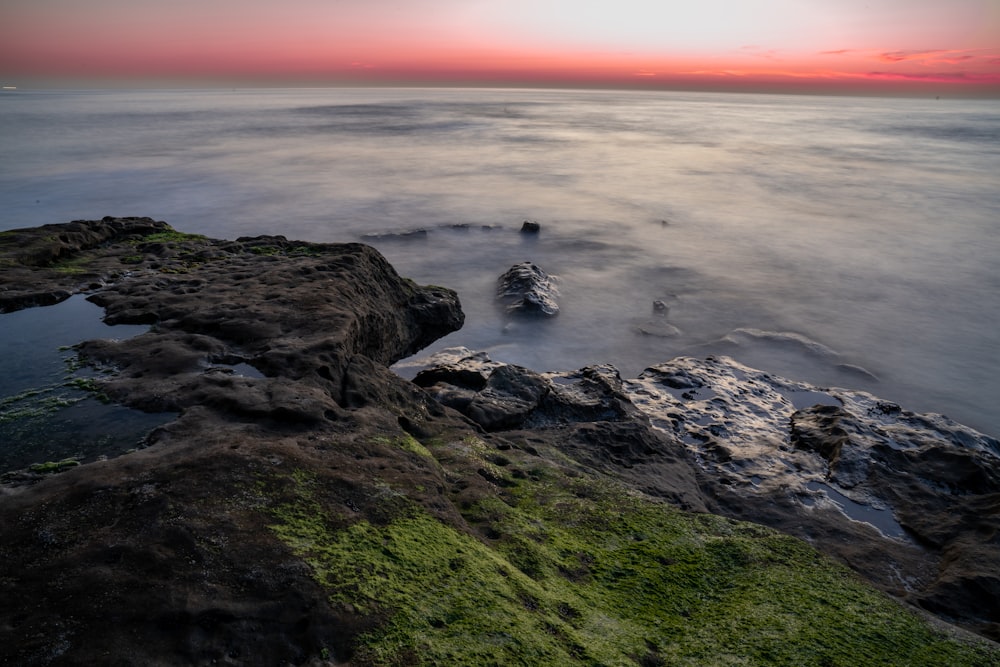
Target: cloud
pixel 937 56
pixel 969 64
pixel 900 56
pixel 940 77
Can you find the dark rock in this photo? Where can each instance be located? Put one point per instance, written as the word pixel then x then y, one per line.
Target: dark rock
pixel 761 459
pixel 172 555
pixel 718 435
pixel 525 288
pixel 530 227
pixel 459 367
pixel 164 556
pixel 45 250
pixel 500 396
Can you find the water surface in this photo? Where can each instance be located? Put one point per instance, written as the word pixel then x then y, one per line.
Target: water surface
pixel 831 239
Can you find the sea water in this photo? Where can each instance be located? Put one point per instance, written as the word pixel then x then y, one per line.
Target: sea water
pixel 843 241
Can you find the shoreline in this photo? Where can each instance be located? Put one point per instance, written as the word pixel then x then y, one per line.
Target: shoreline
pixel 235 510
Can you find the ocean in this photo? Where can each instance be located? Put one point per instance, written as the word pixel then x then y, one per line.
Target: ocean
pixel 844 241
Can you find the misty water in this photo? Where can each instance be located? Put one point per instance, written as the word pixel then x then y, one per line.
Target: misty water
pixel 838 240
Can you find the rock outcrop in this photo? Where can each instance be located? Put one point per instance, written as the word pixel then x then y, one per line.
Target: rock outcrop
pixel 526 289
pixel 910 501
pixel 330 512
pixel 164 556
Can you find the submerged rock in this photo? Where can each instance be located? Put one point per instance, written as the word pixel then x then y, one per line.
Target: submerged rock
pixel 657 325
pixel 525 288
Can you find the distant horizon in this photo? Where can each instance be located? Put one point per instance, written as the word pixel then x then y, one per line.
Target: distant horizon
pixel 175 85
pixel 912 48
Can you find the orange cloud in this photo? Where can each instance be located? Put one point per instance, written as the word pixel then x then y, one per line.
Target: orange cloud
pixel 900 56
pixel 939 77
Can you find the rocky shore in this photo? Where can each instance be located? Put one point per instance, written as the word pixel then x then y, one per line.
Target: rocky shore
pixel 331 512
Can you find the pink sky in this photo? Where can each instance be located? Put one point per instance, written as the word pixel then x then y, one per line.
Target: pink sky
pixel 916 46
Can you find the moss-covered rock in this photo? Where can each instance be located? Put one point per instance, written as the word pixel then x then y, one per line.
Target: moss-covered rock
pixel 330 512
pixel 589 573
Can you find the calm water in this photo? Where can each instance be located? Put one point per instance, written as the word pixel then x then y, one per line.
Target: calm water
pixel 797 234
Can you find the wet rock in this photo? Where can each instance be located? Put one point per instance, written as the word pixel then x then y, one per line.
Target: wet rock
pixel 180 541
pixel 530 227
pixel 761 457
pixel 500 396
pixel 657 324
pixel 526 289
pixel 458 366
pixel 912 502
pixel 29 254
pixel 166 555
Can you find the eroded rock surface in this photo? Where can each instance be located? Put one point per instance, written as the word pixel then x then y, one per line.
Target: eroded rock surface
pixel 322 510
pixel 170 544
pixel 526 289
pixel 910 501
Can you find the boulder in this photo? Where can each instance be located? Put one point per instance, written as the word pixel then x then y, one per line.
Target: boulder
pixel 526 289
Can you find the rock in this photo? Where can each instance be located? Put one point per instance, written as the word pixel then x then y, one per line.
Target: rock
pixel 657 324
pixel 457 366
pixel 164 556
pixel 904 499
pixel 46 250
pixel 249 528
pixel 524 288
pixel 931 482
pixel 530 227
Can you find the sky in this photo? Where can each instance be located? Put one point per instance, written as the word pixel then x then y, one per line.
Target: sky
pixel 880 46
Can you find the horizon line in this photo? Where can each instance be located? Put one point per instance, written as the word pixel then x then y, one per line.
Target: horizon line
pixel 745 87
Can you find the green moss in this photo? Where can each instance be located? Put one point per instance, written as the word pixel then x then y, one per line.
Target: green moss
pixel 52 467
pixel 89 385
pixel 171 236
pixel 73 266
pixel 267 250
pixel 408 443
pixel 33 404
pixel 305 250
pixel 574 571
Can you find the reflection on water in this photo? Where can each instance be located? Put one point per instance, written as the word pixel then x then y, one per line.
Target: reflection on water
pixel 47 412
pixel 882 519
pixel 866 226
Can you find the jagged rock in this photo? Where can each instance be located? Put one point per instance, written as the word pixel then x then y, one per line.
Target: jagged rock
pixel 500 396
pixel 164 556
pixel 246 529
pixel 28 253
pixel 525 288
pixel 911 501
pixel 530 227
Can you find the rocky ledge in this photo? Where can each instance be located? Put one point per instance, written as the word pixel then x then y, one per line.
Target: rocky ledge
pixel 330 512
pixel 909 501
